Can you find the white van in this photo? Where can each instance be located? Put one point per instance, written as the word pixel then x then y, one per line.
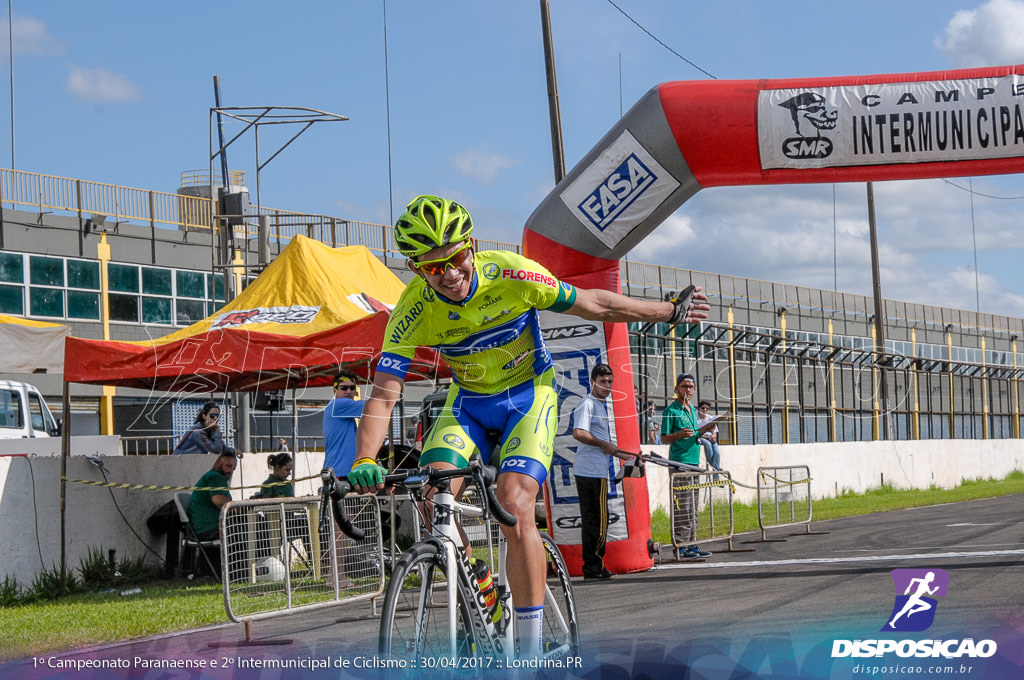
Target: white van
pixel 23 412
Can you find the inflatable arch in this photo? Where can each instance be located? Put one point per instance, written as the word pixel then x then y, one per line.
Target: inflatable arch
pixel 684 136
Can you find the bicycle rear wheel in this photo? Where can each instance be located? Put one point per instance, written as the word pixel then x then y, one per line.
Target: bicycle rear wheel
pixel 414 617
pixel 561 635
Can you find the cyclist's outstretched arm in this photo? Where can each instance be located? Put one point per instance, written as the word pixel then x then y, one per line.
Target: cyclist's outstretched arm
pixel 373 426
pixel 596 304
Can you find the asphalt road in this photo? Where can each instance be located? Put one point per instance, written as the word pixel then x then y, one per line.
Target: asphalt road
pixel 770 609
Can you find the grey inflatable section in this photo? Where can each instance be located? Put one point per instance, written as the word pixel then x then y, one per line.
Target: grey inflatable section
pixel 627 185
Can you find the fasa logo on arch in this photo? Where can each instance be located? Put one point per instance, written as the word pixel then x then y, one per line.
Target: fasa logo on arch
pixel 915 605
pixel 618 190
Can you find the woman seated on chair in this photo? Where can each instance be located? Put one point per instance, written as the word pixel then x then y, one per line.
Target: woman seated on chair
pixel 277 485
pixel 210 496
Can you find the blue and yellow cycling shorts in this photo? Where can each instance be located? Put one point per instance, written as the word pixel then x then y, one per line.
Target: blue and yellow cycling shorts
pixel 525 415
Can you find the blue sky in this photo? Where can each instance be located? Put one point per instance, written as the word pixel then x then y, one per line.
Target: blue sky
pixel 119 92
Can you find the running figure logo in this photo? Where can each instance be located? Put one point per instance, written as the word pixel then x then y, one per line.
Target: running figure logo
pixel 914 610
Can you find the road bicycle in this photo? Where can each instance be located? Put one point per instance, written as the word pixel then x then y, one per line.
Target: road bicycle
pixel 434 606
pixel 434 609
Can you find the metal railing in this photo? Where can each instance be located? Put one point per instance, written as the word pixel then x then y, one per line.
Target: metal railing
pixel 280 558
pixel 702 508
pixel 148 446
pixel 781 390
pixel 783 497
pixel 48 193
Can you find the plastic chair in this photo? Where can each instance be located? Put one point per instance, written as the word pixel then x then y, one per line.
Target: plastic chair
pixel 190 539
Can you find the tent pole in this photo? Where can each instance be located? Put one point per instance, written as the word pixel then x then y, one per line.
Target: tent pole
pixel 65 452
pixel 295 421
pixel 244 423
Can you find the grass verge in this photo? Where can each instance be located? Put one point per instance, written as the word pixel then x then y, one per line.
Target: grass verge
pixel 83 620
pixel 849 504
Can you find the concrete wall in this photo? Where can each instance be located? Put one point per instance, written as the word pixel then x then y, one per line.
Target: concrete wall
pixel 30 505
pixel 860 466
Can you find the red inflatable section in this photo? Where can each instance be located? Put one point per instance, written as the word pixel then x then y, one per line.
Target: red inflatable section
pixel 584 271
pixel 682 137
pixel 715 126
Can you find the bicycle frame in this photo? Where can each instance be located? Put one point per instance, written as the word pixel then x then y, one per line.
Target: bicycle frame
pixel 464 625
pixel 458 572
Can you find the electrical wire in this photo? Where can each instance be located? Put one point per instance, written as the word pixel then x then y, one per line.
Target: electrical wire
pixel 657 40
pixel 35 511
pixel 972 192
pixel 127 523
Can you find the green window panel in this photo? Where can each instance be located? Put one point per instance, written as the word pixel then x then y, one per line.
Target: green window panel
pixel 47 271
pixel 46 302
pixel 12 300
pixel 83 274
pixel 123 278
pixel 12 268
pixel 156 310
pixel 216 284
pixel 191 284
pixel 157 282
pixel 82 305
pixel 124 307
pixel 190 311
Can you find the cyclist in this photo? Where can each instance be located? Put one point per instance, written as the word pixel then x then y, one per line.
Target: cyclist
pixel 479 310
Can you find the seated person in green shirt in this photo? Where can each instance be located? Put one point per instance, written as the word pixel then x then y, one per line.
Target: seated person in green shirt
pixel 275 486
pixel 205 505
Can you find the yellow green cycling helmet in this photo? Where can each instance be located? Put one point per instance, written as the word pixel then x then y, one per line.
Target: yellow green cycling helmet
pixel 431 222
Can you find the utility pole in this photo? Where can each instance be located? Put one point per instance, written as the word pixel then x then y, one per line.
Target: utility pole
pixel 876 290
pixel 557 150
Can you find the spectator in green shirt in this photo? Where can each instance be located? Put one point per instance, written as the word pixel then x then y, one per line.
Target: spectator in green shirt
pixel 205 505
pixel 277 484
pixel 681 431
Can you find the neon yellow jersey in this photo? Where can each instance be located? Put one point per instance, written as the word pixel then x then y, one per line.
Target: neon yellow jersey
pixel 491 340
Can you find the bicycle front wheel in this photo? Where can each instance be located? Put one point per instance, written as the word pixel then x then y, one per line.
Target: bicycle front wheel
pixel 561 635
pixel 414 621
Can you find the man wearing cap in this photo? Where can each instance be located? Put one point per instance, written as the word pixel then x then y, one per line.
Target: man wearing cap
pixel 340 424
pixel 680 429
pixel 340 451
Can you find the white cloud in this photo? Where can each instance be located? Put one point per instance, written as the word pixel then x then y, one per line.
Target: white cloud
pixel 30 36
pixel 100 85
pixel 483 164
pixel 991 35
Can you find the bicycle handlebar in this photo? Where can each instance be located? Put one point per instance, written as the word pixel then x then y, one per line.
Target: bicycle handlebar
pixel 482 475
pixel 334 491
pixel 665 462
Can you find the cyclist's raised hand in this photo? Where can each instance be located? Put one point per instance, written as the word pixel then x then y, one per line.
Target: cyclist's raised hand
pixel 366 476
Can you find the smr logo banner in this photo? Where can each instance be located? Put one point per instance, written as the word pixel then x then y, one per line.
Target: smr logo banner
pixel 943 120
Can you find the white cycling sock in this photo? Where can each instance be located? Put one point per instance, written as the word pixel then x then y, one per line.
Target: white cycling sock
pixel 529 625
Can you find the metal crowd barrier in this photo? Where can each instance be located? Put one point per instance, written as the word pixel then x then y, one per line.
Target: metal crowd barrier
pixel 701 508
pixel 277 559
pixel 783 497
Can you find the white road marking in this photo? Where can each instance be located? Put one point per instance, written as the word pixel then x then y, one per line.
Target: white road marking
pixel 845 560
